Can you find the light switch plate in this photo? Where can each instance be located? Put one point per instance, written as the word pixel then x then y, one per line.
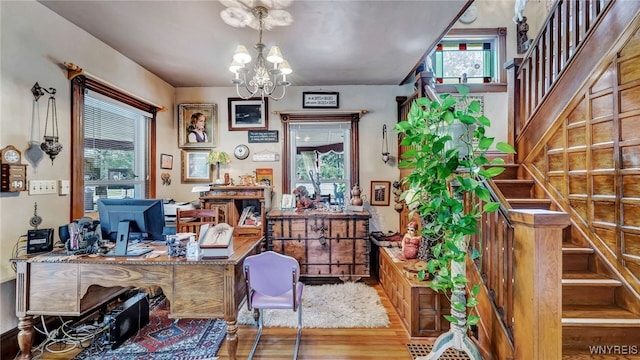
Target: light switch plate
pixel 42 187
pixel 63 187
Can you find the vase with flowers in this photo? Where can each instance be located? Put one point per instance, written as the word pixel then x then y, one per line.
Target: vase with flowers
pixel 218 158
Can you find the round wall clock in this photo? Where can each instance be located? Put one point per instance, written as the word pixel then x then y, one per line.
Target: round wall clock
pixel 470 15
pixel 14 173
pixel 11 155
pixel 241 152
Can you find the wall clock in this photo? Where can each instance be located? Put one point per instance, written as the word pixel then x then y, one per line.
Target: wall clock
pixel 14 173
pixel 241 152
pixel 470 15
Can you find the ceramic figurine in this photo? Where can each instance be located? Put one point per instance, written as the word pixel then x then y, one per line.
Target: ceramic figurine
pixel 411 241
pixel 355 196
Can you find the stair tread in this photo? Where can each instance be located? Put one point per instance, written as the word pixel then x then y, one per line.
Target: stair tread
pixel 604 315
pixel 568 247
pixel 514 181
pixel 579 280
pixel 506 164
pixel 529 200
pixel 600 321
pixel 581 275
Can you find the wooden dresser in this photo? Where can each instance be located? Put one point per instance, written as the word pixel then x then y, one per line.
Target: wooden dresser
pixel 231 201
pixel 420 308
pixel 326 244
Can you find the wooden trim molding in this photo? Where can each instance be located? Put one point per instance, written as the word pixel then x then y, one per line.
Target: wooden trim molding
pixel 74 70
pixel 320 117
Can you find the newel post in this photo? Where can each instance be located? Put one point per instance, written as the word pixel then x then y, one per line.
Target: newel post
pixel 537 285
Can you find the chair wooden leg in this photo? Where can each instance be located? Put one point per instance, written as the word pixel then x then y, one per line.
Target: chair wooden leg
pixel 255 342
pixel 295 351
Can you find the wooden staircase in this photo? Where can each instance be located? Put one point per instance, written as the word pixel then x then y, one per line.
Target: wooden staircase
pixel 594 312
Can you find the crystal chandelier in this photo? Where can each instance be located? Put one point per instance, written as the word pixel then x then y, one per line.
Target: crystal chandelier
pixel 267 77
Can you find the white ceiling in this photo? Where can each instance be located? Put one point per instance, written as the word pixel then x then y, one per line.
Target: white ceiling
pixel 330 42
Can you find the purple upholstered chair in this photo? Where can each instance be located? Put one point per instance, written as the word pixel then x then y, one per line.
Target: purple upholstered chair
pixel 273 283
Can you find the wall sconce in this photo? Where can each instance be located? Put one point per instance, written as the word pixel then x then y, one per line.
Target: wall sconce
pixel 50 144
pixel 385 144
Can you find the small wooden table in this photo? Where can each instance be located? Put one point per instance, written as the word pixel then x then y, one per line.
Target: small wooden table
pixel 56 285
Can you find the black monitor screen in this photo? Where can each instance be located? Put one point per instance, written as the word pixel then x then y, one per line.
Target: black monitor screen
pixel 145 217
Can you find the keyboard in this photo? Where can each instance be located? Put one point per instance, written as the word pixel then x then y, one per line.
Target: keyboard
pixel 133 250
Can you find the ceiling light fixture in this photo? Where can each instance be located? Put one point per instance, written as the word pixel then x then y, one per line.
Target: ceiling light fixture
pixel 266 79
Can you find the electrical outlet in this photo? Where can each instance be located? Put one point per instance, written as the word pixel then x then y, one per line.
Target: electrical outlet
pixel 63 187
pixel 42 187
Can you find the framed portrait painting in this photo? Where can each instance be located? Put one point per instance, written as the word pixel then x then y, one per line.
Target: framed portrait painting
pixel 380 193
pixel 197 126
pixel 251 114
pixel 195 166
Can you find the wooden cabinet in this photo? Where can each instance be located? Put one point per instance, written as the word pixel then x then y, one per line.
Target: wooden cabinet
pixel 231 201
pixel 326 244
pixel 420 308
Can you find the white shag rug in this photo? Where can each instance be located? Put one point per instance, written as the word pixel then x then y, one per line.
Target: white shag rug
pixel 346 305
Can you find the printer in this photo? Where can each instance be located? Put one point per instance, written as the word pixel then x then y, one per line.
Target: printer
pixel 171 209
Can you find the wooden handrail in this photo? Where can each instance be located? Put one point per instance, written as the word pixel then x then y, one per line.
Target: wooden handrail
pixel 568 25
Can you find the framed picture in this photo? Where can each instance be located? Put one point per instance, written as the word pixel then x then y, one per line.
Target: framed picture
pixel 264 176
pixel 251 114
pixel 380 192
pixel 287 201
pixel 197 125
pixel 320 100
pixel 195 166
pixel 166 161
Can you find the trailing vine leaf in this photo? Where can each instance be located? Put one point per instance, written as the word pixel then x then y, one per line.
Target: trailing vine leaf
pixel 445 167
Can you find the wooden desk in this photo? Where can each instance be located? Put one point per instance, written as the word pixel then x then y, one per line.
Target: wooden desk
pixel 195 289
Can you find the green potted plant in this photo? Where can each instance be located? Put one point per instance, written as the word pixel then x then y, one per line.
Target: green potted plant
pixel 217 158
pixel 447 145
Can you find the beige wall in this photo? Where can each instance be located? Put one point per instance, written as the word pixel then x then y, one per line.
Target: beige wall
pixel 34 43
pixel 379 101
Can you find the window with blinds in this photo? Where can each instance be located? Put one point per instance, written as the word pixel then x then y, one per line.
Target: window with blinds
pixel 320 159
pixel 115 150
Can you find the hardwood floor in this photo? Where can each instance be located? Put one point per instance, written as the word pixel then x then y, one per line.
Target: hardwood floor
pixel 316 344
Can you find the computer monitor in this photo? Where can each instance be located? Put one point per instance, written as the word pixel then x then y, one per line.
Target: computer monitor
pixel 133 219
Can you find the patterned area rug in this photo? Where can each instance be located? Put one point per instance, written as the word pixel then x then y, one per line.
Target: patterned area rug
pixel 165 339
pixel 419 350
pixel 345 305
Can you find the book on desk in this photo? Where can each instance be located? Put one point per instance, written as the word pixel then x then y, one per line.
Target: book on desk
pixel 216 241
